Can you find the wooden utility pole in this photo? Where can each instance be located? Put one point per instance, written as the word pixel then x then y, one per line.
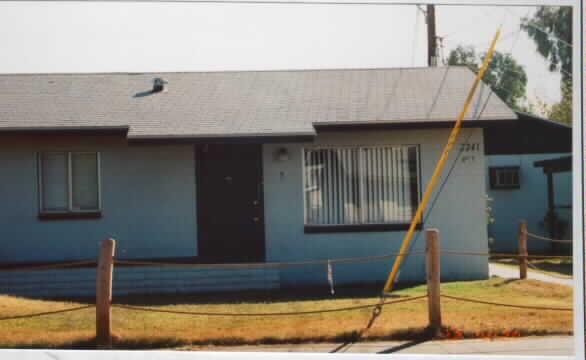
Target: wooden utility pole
pixel 104 293
pixel 523 249
pixel 431 36
pixel 433 281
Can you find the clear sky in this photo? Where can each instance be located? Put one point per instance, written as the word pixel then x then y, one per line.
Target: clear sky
pixel 143 37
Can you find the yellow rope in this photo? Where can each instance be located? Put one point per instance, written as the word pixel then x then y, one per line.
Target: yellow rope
pixel 440 165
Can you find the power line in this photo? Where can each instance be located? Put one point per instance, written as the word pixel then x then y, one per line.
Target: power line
pixel 503 37
pixel 415 33
pixel 548 33
pixel 455 162
pixel 467 24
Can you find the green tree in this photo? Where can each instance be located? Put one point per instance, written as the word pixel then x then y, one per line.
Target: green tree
pixel 504 76
pixel 551 30
pixel 464 55
pixel 561 111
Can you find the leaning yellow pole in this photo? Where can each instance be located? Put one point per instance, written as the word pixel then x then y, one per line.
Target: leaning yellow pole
pixel 440 166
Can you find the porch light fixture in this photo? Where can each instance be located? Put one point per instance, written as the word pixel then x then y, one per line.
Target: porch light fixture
pixel 282 154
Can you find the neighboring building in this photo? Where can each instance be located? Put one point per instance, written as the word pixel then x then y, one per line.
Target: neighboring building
pixel 519 189
pixel 266 166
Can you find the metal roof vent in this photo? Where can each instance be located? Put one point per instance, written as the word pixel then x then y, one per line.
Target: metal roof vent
pixel 159 85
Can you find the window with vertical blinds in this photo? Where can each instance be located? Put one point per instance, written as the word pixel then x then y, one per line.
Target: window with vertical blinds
pixel 360 185
pixel 69 182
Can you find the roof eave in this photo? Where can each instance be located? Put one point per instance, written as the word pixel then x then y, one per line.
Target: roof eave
pixel 223 138
pixel 66 130
pixel 412 124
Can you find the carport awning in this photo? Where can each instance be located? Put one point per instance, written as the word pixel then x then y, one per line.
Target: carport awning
pixel 530 134
pixel 563 164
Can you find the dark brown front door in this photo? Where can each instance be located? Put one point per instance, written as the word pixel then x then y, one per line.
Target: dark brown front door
pixel 230 203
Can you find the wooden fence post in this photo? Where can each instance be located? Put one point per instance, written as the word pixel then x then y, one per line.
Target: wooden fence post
pixel 433 281
pixel 104 293
pixel 523 249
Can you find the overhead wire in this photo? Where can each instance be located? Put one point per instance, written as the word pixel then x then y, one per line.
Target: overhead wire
pixel 548 33
pixel 415 34
pixel 456 160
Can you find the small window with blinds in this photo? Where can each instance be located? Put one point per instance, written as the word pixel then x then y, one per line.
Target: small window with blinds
pixel 359 187
pixel 69 183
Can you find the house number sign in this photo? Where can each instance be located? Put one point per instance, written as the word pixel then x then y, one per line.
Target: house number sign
pixel 475 147
pixel 469 152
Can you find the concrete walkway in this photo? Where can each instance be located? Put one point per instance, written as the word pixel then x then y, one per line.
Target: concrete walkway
pixel 546 346
pixel 509 272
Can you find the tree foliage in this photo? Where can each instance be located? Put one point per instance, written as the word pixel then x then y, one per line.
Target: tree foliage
pixel 551 30
pixel 504 75
pixel 561 111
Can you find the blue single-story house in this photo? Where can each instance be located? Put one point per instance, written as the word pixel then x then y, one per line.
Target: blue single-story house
pixel 250 166
pixel 518 185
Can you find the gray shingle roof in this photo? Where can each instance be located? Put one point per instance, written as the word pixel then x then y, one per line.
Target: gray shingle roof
pixel 244 103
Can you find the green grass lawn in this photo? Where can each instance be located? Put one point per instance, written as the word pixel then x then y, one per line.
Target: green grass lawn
pixel 142 330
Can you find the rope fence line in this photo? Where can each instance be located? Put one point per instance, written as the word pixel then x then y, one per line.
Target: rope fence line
pixel 261 265
pixel 507 305
pixel 538 237
pixel 377 306
pixel 50 266
pixel 47 313
pixel 358 307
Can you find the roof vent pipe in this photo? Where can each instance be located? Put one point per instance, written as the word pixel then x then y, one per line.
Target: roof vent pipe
pixel 159 85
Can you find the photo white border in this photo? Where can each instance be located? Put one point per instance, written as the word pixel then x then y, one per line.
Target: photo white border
pixel 579 23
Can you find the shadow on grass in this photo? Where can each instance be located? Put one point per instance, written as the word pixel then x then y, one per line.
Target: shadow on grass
pixel 368 290
pixel 506 282
pixel 413 336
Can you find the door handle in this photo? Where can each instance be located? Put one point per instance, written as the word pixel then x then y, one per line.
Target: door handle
pixel 256 219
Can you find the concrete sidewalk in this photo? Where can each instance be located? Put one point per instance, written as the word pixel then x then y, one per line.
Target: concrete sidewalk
pixel 547 346
pixel 510 273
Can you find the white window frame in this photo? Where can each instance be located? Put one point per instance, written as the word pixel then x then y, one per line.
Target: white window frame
pixel 498 173
pixel 361 187
pixel 70 209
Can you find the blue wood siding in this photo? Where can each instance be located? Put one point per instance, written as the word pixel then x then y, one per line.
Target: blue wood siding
pixel 529 202
pixel 148 201
pixel 459 214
